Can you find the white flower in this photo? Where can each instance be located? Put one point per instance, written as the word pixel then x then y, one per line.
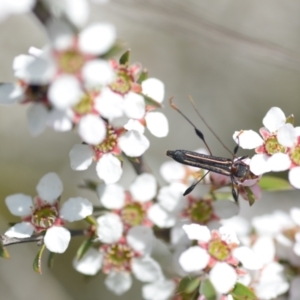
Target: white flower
pixel 43 213
pixel 8 8
pixel 159 290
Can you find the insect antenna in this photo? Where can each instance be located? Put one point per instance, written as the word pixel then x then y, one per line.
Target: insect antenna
pixel 211 130
pixel 190 189
pixel 198 132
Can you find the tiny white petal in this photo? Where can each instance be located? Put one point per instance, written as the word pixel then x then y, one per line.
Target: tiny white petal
pixel 239 224
pixel 78 14
pixel 97 73
pixel 194 259
pixel 118 282
pixel 49 187
pixel 37 116
pixel 225 209
pixel 159 290
pixel 59 120
pixel 264 247
pixel 92 129
pixel 287 135
pixel 247 139
pixel 90 263
pixel 248 258
pixel 19 205
pixel 57 239
pixel 197 232
pixel 81 157
pixel 109 168
pixel 113 196
pixel 228 235
pixel 279 162
pixel 157 123
pixel 75 209
pixel 140 238
pixel 295 215
pixel 20 230
pixel 144 187
pixel 172 171
pixel 65 92
pixel 97 38
pixel 154 88
pixel 110 228
pixel 259 164
pixel 134 106
pixel 134 125
pixel 133 143
pixel 223 277
pixel 294 177
pixel 274 118
pixel 10 93
pixel 161 217
pixel 146 269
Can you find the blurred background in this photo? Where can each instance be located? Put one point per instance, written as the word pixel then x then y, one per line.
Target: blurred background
pixel 235 58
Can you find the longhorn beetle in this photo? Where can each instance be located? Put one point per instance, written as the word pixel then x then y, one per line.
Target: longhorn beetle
pixel 234 168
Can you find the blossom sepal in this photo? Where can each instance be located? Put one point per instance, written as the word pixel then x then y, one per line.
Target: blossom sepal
pixel 125 57
pixel 37 263
pixel 187 286
pixel 241 291
pixel 3 251
pixel 207 289
pixel 83 248
pixel 273 184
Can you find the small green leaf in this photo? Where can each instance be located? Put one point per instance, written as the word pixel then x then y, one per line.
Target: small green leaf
pixel 151 102
pixel 124 59
pixel 273 184
pixel 242 292
pixel 50 261
pixel 207 289
pixel 188 285
pixel 91 220
pixel 143 76
pixel 37 263
pixel 84 247
pixel 250 195
pixel 3 251
pixel 115 50
pixel 290 119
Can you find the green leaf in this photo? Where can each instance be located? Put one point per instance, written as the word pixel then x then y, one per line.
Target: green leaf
pixel 290 119
pixel 143 76
pixel 207 289
pixel 273 184
pixel 124 59
pixel 84 247
pixel 250 195
pixel 188 284
pixel 242 292
pixel 3 251
pixel 37 263
pixel 115 50
pixel 151 102
pixel 50 261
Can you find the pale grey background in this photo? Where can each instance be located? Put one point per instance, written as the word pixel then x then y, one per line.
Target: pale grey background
pixel 236 58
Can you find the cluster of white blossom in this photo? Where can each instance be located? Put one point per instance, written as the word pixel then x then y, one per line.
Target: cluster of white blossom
pixel 75 83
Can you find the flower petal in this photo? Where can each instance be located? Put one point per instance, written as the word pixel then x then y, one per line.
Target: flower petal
pixel 247 139
pixel 20 230
pixel 97 39
pixel 294 177
pixel 144 187
pixel 172 171
pixel 154 88
pixel 109 168
pixel 133 143
pixel 110 228
pixel 57 239
pixel 65 92
pixel 161 217
pixel 10 93
pixel 113 196
pixel 75 209
pixel 228 235
pixel 274 118
pixel 248 258
pixel 134 106
pixel 157 123
pixel 118 282
pixel 19 205
pixel 259 164
pixel 140 238
pixel 81 157
pixel 146 269
pixel 37 116
pixel 194 259
pixel 279 162
pixel 159 290
pixel 90 263
pixel 50 187
pixel 92 129
pixel 59 120
pixel 287 135
pixel 197 232
pixel 223 277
